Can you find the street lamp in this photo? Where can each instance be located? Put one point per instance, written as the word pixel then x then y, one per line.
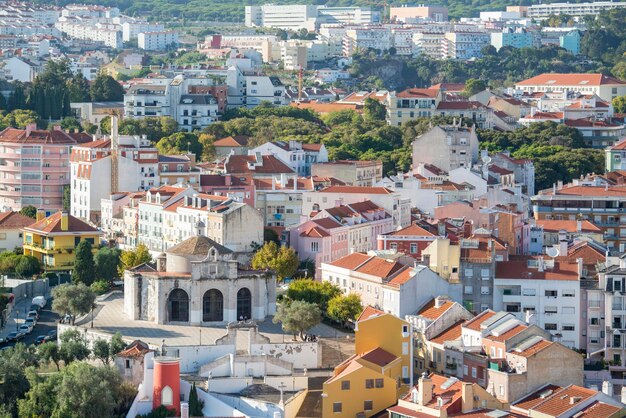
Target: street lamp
pixel 17 317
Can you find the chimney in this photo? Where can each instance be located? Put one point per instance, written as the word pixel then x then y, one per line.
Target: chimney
pixel 57 128
pixel 440 300
pixel 425 390
pixel 41 214
pixel 579 262
pixel 540 265
pixel 607 388
pixel 579 226
pixel 30 127
pixel 441 228
pixel 64 220
pixel 228 180
pixel 563 247
pixel 467 397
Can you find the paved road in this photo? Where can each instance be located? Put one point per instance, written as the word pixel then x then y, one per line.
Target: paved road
pixel 47 321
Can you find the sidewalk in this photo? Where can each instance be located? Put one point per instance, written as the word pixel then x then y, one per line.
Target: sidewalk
pixel 21 307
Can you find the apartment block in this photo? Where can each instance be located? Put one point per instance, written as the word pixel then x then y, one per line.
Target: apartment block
pixel 446 147
pixel 411 240
pixel 464 45
pixel 35 166
pixel 543 11
pixel 251 90
pixel 604 86
pixel 300 157
pixel 352 173
pixel 157 40
pixel 411 104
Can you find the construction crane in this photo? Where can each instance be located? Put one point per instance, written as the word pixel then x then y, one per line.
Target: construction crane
pixel 386 14
pixel 114 151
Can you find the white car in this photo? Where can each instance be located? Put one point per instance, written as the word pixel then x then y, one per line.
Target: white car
pixel 26 328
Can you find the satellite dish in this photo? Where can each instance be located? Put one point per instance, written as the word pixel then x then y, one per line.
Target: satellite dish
pixel 486 159
pixel 552 252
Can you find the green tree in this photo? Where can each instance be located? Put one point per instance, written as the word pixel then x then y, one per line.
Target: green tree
pixel 344 308
pixel 73 347
pixel 78 88
pixel 13 365
pixel 40 400
pixel 319 293
pixel 72 299
pixel 84 270
pixel 20 118
pixel 473 86
pixel 180 143
pixel 106 89
pixel 29 211
pixel 374 110
pixel 27 266
pixel 8 262
pixel 49 352
pixel 17 98
pixel 195 404
pixel 106 261
pixel 70 124
pixel 298 316
pixel 133 258
pixel 283 260
pixel 619 104
pixel 67 197
pixel 105 350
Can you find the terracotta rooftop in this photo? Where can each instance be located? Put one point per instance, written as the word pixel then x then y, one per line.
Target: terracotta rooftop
pixel 599 410
pixel 553 225
pixel 238 164
pixel 369 312
pixel 590 191
pixel 418 94
pixel 357 189
pixel 412 230
pixel 551 79
pixel 379 357
pixel 351 261
pixel 450 393
pixel 135 349
pixel 14 220
pixel 538 396
pixel 232 141
pixel 197 246
pixel 315 232
pixel 451 333
pixel 534 349
pixel 517 268
pixel 476 322
pixel 564 400
pixel 35 136
pixel 431 311
pixel 52 225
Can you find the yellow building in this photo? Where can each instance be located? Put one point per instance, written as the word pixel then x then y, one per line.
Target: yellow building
pixel 53 239
pixel 444 258
pixel 379 372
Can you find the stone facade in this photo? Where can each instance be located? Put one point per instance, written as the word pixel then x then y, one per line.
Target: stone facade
pixel 198 282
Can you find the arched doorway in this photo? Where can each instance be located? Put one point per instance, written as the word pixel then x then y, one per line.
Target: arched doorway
pixel 178 306
pixel 244 304
pixel 212 306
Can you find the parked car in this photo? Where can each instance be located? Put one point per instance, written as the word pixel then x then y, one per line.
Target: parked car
pixel 33 314
pixel 26 328
pixel 31 321
pixel 41 339
pixel 39 300
pixel 52 335
pixel 35 308
pixel 15 336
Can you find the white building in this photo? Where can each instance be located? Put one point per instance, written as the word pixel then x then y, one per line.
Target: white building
pixel 538 11
pixel 93 167
pixel 109 34
pixel 132 29
pixel 300 157
pixel 392 202
pixel 298 16
pixel 21 69
pixel 446 147
pixel 604 86
pixel 250 90
pixel 464 45
pixel 387 284
pixel 157 40
pixel 546 290
pixel 11 224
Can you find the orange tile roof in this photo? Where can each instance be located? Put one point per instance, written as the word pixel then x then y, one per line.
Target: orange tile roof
pixel 380 267
pixel 538 396
pixel 350 261
pixel 52 225
pixel 621 145
pixel 379 357
pixel 351 367
pixel 451 333
pixel 487 413
pixel 517 268
pixel 430 311
pixel 14 220
pixel 401 278
pixel 560 402
pixel 238 164
pixel 326 107
pixel 136 349
pixel 534 349
pixel 599 410
pixel 544 115
pixel 357 189
pixel 591 191
pixel 451 87
pixel 100 143
pixel 412 230
pixel 554 225
pixel 315 232
pixel 475 323
pixel 451 394
pixel 555 79
pixel 369 312
pixel 55 136
pixel 327 223
pixel 418 94
pixel 232 141
pixel 508 334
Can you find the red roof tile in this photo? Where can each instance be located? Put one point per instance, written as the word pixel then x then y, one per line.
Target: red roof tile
pixel 534 349
pixel 14 220
pixel 369 312
pixel 553 225
pixel 564 400
pixel 238 164
pixel 232 141
pixel 517 269
pixel 418 94
pixel 412 230
pixel 52 224
pixel 554 79
pixel 451 333
pixel 379 357
pixel 433 312
pixel 350 261
pixel 357 189
pixel 538 396
pixel 476 322
pixel 599 410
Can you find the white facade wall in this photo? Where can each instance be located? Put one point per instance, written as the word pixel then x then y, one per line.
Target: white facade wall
pixel 156 41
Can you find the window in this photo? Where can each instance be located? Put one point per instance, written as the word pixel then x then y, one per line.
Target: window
pixel 345 385
pixel 369 383
pixel 314 247
pixel 469 272
pixel 166 396
pixel 569 293
pixel 551 293
pixel 550 310
pixel 594 321
pixel 393 246
pixel 484 290
pixel 337 407
pixel 405 330
pixel 550 327
pixel 529 292
pixel 468 290
pixel 474 372
pixel 568 310
pixel 368 405
pixel 569 327
pixel 405 348
pixel 127 364
pixel 413 248
pixel 380 383
pixel 484 273
pixel 465 370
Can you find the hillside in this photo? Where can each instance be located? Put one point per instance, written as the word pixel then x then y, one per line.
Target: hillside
pixel 233 11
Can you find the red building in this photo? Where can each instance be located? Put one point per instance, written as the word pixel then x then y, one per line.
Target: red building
pixel 166 386
pixel 410 240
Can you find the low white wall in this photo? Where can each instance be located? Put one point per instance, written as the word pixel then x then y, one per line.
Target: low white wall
pixel 251 407
pixel 288 383
pixel 229 384
pixel 300 354
pixel 192 357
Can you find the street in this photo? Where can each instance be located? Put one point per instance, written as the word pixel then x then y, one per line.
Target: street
pixel 47 321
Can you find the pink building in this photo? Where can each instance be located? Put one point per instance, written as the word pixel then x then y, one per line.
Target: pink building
pixel 35 166
pixel 240 187
pixel 410 240
pixel 336 232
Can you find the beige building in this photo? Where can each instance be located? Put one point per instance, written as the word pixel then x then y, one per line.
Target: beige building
pixel 447 147
pixel 410 14
pixel 411 104
pixel 352 173
pixel 198 282
pixel 604 86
